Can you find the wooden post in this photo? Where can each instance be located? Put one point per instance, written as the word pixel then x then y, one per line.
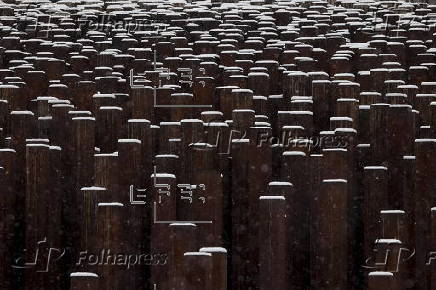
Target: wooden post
pixel 39 201
pixel 273 243
pixel 378 132
pixel 424 186
pixel 109 243
pixel 219 266
pixel 183 238
pixel 432 246
pixel 331 224
pixel 381 281
pixel 242 276
pixel 294 164
pixel 84 281
pixel 374 200
pixel 198 273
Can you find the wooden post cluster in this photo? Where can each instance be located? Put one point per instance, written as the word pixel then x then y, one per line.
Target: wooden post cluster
pixel 217 145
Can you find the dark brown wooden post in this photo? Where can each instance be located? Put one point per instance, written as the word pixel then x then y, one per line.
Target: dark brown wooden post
pixel 106 174
pixel 140 129
pixel 135 195
pixel 331 262
pixel 219 266
pixel 294 163
pixel 430 263
pixel 86 216
pixel 84 281
pixel 375 199
pixel 10 223
pixel 84 145
pixel 164 193
pixel 242 276
pixel 108 126
pixel 424 199
pixel 378 132
pixel 110 245
pixel 39 201
pixel 273 243
pixel 198 267
pixel 208 198
pixel 381 281
pixel 183 238
pixel 142 103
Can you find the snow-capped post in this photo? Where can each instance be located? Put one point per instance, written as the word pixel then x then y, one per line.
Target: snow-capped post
pixel 37 84
pixel 136 196
pixel 368 98
pixel 349 107
pixel 84 281
pixel 83 145
pixel 388 257
pixel 182 239
pixel 273 243
pixel 83 92
pixel 219 266
pixel 198 271
pixel 399 260
pixel 38 201
pixel 85 221
pixel 129 160
pixel 417 73
pixel 106 174
pixel 411 91
pixel 203 89
pixel 284 119
pixel 108 128
pixel 295 165
pixel 380 280
pixel 60 125
pixel 55 200
pixel 142 102
pixel 393 223
pixel 168 130
pixel 164 195
pixel 220 134
pixel 242 99
pixel 259 82
pixel 340 122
